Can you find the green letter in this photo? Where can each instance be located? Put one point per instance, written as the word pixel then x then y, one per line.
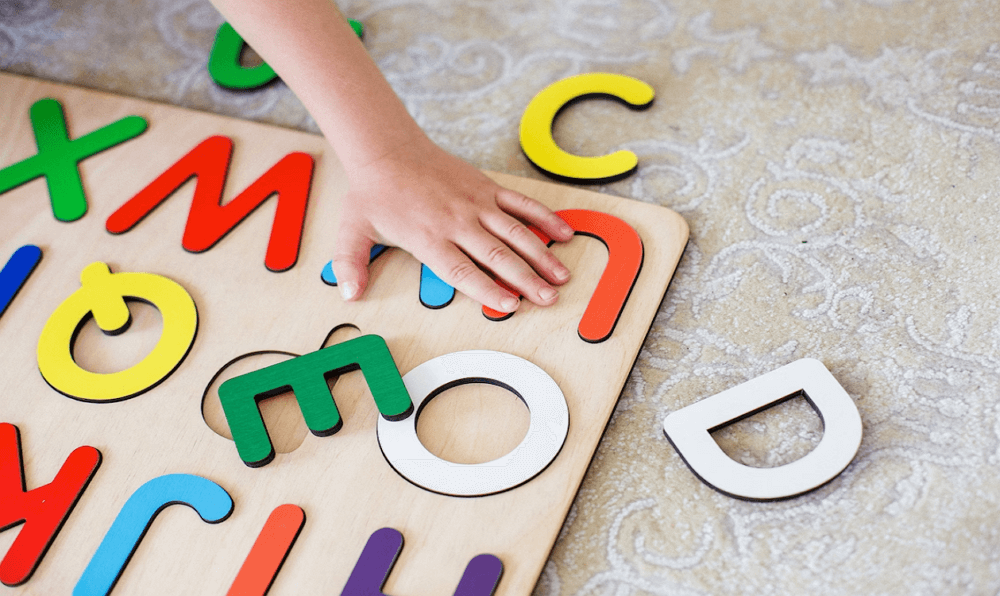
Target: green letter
pixel 58 156
pixel 306 377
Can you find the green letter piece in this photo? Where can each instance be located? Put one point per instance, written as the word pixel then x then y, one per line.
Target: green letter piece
pixel 224 61
pixel 306 377
pixel 58 156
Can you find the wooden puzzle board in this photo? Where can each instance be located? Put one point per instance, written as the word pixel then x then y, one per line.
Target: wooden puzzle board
pixel 342 482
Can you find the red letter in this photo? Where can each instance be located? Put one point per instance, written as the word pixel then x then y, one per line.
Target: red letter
pixel 209 220
pixel 269 551
pixel 43 510
pixel 625 254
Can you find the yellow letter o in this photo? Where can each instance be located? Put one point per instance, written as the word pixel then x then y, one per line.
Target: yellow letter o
pixel 536 126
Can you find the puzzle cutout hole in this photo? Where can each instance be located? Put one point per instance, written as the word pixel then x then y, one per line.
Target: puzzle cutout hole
pixel 775 436
pixel 281 413
pixel 473 423
pixel 98 352
pixel 340 334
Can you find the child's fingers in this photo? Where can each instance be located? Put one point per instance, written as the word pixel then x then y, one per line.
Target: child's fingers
pixel 535 213
pixel 516 235
pixel 493 254
pixel 350 262
pixel 455 268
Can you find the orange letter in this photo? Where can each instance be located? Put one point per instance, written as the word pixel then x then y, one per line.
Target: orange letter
pixel 625 255
pixel 269 551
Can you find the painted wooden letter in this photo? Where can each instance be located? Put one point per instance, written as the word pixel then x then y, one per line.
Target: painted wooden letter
pixel 547 427
pixel 269 551
pixel 434 292
pixel 481 576
pixel 210 500
pixel 43 510
pixel 306 377
pixel 689 428
pixel 224 61
pixel 625 256
pixel 18 269
pixel 102 295
pixel 58 157
pixel 536 127
pixel 208 220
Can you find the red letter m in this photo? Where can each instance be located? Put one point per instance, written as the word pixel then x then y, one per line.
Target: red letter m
pixel 209 220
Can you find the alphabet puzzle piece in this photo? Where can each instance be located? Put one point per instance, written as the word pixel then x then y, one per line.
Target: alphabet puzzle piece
pixel 58 156
pixel 102 295
pixel 209 220
pixel 434 292
pixel 212 503
pixel 625 258
pixel 689 428
pixel 224 62
pixel 16 272
pixel 536 127
pixel 547 430
pixel 43 509
pixel 379 557
pixel 269 551
pixel 306 377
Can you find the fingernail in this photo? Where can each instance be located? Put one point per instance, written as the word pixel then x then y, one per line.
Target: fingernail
pixel 547 294
pixel 348 290
pixel 508 304
pixel 565 229
pixel 561 273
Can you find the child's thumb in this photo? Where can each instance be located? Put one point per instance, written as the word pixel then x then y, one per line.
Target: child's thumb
pixel 350 263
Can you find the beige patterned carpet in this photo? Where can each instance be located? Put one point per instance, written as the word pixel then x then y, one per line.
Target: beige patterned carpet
pixel 837 162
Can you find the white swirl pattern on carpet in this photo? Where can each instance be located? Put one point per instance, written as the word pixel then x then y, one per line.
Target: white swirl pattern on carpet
pixel 837 161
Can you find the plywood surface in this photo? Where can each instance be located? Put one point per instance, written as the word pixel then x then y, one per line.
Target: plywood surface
pixel 342 482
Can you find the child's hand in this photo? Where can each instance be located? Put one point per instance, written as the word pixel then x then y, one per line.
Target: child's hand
pixel 451 217
pixel 404 190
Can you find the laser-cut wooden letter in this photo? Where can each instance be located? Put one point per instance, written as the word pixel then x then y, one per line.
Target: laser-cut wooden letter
pixel 536 127
pixel 306 377
pixel 18 269
pixel 58 156
pixel 548 424
pixel 434 292
pixel 689 428
pixel 43 510
pixel 210 500
pixel 625 256
pixel 208 220
pixel 102 294
pixel 224 62
pixel 481 576
pixel 269 552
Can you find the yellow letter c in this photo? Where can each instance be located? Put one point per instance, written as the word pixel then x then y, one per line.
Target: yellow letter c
pixel 536 126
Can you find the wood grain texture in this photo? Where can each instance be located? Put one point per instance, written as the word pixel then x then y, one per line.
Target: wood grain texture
pixel 343 483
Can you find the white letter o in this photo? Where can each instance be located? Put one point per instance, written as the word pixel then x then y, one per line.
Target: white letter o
pixel 547 429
